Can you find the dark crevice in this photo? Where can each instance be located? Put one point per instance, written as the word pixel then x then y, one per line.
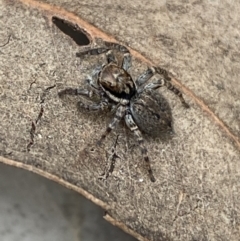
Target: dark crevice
pixel 34 81
pixel 7 42
pixel 79 36
pixel 40 114
pixel 45 92
pixel 113 156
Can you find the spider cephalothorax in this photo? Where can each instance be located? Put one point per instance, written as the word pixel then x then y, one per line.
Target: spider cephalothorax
pixel 137 102
pixel 116 83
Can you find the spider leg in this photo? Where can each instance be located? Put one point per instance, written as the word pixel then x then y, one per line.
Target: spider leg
pixel 91 80
pixel 95 51
pixel 145 76
pixel 134 128
pixel 162 72
pixel 127 61
pixel 76 91
pixel 103 105
pixel 111 58
pixel 167 82
pixel 117 118
pixel 170 86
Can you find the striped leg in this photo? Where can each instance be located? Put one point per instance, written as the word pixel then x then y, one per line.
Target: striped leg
pixel 74 91
pixel 177 92
pixel 162 72
pixel 103 105
pixel 111 58
pixel 95 51
pixel 169 85
pixel 163 82
pixel 144 77
pixel 134 128
pixel 127 61
pixel 92 81
pixel 117 118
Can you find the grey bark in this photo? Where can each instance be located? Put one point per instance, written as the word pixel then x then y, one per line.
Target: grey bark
pixel 196 196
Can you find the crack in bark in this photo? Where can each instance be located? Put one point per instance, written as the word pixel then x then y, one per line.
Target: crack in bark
pixel 40 114
pixel 113 156
pixel 34 81
pixel 8 40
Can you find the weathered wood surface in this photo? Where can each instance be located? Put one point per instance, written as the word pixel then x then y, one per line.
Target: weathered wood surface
pixel 197 193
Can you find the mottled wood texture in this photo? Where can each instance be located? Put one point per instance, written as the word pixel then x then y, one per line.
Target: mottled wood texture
pixel 197 192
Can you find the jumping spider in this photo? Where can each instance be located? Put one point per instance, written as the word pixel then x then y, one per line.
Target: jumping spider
pixel 138 102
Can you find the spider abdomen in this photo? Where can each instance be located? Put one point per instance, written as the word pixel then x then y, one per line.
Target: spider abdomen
pixel 152 113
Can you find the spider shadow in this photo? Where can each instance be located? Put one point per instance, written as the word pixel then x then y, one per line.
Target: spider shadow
pixel 102 119
pixel 165 137
pixel 105 117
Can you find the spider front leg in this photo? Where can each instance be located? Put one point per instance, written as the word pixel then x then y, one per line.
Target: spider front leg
pixel 127 61
pixel 117 118
pixel 103 105
pixel 134 128
pixel 75 91
pixel 111 57
pixel 95 51
pixel 93 88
